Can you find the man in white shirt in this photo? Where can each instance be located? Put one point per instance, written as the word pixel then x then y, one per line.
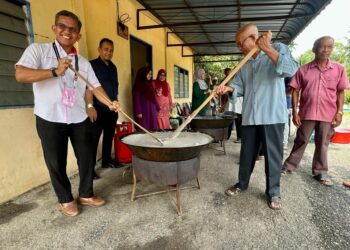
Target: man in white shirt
pixel 60 108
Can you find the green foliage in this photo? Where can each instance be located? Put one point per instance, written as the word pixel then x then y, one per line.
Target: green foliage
pixel 292 46
pixel 347 97
pixel 216 68
pixel 341 54
pixel 307 57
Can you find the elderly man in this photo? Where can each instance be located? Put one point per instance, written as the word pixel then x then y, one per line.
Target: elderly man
pixel 261 83
pixel 321 85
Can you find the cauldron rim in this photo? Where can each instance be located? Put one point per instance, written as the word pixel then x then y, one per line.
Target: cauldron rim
pixel 167 154
pixel 211 122
pixel 164 146
pixel 213 118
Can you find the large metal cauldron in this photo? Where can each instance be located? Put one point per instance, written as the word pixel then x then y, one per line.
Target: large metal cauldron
pixel 146 148
pixel 211 122
pixel 174 163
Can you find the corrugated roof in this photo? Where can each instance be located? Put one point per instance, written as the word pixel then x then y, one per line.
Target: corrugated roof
pixel 209 26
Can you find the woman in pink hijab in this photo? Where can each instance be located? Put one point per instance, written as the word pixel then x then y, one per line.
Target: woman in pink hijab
pixel 164 100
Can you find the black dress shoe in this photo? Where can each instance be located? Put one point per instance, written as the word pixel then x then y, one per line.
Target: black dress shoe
pixel 96 176
pixel 114 164
pixel 109 165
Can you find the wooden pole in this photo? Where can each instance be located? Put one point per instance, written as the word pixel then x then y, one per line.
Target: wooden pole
pixel 109 101
pixel 224 82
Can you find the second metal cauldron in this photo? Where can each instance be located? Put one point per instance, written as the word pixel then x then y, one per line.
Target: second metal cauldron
pixel 215 126
pixel 211 122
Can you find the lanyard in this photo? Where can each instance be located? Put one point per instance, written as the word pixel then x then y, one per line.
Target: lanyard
pixel 76 60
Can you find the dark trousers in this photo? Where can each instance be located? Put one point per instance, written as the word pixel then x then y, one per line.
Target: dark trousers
pixel 270 137
pixel 238 124
pixel 105 123
pixel 323 134
pixel 54 140
pixel 229 130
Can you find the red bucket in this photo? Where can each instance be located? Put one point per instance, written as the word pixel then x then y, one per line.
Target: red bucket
pixel 122 153
pixel 341 135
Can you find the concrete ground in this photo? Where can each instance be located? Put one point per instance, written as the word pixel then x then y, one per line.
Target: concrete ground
pixel 313 216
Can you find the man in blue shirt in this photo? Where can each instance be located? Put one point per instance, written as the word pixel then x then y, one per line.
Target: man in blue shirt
pixel 101 117
pixel 264 112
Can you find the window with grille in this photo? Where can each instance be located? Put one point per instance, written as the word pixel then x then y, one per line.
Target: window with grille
pixel 181 84
pixel 15 35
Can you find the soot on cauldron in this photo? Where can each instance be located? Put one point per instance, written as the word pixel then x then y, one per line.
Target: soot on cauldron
pixel 174 163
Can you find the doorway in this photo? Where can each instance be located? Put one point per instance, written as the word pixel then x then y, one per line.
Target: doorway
pixel 141 55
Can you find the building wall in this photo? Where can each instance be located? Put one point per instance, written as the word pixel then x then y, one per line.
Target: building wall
pixel 21 159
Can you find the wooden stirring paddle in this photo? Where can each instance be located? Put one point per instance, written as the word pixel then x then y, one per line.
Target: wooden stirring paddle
pixel 121 111
pixel 224 82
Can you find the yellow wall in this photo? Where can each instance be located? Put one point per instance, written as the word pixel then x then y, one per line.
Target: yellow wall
pixel 21 160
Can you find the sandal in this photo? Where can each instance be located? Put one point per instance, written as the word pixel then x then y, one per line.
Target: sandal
pixel 346 183
pixel 233 190
pixel 323 179
pixel 275 203
pixel 285 171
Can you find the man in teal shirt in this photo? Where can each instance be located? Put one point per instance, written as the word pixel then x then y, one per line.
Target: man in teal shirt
pixel 261 83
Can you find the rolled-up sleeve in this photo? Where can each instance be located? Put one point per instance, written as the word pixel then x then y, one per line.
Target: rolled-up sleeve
pixel 297 80
pixel 343 82
pixel 237 84
pixel 286 65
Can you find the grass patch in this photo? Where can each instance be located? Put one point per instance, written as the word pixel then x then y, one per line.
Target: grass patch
pixel 347 96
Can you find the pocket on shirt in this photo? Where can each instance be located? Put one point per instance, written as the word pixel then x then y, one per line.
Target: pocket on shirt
pixel 332 83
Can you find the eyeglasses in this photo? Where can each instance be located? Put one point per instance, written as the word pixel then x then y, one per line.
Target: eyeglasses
pixel 62 26
pixel 163 75
pixel 240 45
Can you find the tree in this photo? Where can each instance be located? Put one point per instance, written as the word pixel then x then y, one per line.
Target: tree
pixel 215 65
pixel 307 57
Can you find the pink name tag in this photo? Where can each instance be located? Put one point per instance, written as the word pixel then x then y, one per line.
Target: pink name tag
pixel 68 97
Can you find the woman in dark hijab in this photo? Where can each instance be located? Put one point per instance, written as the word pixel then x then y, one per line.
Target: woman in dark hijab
pixel 145 104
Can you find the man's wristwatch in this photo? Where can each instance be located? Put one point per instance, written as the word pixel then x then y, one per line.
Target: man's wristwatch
pixel 340 112
pixel 53 71
pixel 89 105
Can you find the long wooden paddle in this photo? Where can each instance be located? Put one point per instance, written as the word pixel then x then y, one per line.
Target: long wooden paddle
pixel 224 82
pixel 121 111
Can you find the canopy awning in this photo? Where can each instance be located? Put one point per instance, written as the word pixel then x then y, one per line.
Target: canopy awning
pixel 209 27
